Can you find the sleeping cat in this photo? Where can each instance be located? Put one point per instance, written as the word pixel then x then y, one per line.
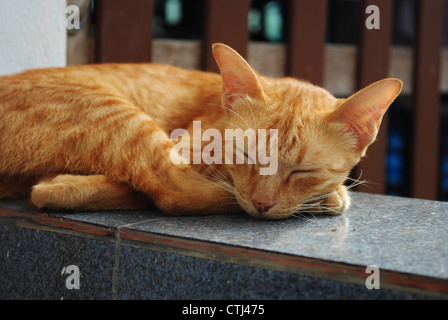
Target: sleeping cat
pixel 97 137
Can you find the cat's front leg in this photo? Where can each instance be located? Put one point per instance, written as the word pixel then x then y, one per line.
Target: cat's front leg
pixel 193 193
pixel 86 193
pixel 98 192
pixel 179 190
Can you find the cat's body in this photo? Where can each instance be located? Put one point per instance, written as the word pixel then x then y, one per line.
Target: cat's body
pixel 97 137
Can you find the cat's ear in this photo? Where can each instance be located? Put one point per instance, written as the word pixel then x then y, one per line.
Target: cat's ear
pixel 361 113
pixel 238 78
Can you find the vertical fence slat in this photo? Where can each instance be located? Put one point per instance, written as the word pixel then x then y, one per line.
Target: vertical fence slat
pixel 373 65
pixel 306 40
pixel 123 30
pixel 226 22
pixel 427 99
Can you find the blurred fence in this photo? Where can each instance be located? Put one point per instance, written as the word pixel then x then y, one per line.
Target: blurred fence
pixel 124 33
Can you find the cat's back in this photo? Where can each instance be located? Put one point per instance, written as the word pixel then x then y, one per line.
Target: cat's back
pixel 123 77
pixel 154 88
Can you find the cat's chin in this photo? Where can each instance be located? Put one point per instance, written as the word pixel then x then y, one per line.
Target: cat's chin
pixel 279 216
pixel 333 205
pixel 274 215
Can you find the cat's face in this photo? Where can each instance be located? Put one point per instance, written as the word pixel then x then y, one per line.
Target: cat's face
pixel 320 138
pixel 314 158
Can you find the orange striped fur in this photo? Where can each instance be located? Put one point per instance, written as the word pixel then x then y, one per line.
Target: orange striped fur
pixel 97 137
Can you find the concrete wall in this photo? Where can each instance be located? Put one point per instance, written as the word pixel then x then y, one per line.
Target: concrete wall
pixel 32 34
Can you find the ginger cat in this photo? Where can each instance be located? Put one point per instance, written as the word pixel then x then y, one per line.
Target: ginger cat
pixel 97 137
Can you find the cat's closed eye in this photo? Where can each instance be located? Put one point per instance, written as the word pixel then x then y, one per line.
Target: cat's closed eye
pixel 301 171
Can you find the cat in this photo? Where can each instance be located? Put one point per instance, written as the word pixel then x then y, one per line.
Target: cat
pixel 97 137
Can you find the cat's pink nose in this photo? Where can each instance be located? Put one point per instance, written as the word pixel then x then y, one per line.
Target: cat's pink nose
pixel 262 207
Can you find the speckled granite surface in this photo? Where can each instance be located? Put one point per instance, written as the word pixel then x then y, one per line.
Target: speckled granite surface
pixel 406 237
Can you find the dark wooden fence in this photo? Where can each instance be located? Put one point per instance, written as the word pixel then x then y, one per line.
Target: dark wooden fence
pixel 124 34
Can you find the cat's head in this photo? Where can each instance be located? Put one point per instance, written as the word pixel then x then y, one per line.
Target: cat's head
pixel 320 137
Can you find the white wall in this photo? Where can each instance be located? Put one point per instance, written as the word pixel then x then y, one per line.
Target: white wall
pixel 32 34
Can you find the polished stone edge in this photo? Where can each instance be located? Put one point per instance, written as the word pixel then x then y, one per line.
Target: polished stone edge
pixel 126 236
pixel 46 222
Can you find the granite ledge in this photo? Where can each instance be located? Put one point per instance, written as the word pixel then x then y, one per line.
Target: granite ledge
pixel 406 238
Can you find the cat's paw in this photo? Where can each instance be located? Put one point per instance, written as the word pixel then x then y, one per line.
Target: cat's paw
pixel 333 203
pixel 50 196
